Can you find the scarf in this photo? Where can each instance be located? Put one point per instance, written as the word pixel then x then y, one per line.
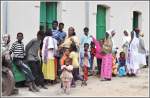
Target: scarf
pixel 46 51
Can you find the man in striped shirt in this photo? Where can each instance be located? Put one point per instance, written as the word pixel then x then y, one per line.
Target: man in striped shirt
pixel 18 57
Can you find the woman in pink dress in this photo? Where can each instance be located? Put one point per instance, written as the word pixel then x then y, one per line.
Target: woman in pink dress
pixel 106 67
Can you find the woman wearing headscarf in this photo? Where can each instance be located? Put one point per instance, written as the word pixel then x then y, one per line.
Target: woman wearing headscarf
pixel 106 67
pixel 126 40
pixel 132 61
pixel 9 81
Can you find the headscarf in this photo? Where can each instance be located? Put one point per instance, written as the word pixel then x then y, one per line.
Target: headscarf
pixel 110 32
pixel 5 47
pixel 5 42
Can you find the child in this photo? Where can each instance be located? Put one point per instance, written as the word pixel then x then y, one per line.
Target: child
pixel 64 57
pixel 66 75
pixel 85 58
pixel 93 53
pixel 74 55
pixel 114 63
pixel 98 54
pixel 122 66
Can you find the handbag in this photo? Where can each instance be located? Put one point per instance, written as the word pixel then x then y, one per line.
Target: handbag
pixel 105 49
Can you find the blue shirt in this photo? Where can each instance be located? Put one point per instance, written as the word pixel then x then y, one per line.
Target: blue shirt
pixel 59 35
pixel 85 39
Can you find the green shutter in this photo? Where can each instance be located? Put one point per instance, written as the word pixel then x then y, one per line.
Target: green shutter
pixel 48 13
pixel 51 13
pixel 43 16
pixel 135 19
pixel 100 22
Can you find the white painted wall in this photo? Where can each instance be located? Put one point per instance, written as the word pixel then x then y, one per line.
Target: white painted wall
pixel 119 17
pixel 73 14
pixel 23 17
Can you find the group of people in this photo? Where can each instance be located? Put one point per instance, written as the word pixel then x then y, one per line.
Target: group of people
pixel 54 56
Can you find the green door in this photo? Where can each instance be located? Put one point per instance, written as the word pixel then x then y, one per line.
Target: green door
pixel 135 19
pixel 100 22
pixel 48 13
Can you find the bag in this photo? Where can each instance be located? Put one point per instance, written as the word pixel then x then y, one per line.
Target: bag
pixel 105 49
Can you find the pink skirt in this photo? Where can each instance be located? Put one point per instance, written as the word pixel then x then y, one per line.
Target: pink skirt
pixel 106 67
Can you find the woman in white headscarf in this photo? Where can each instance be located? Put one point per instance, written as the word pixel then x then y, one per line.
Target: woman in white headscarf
pixel 126 40
pixel 132 60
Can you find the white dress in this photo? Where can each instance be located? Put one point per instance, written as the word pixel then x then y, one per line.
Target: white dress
pixel 66 75
pixel 132 60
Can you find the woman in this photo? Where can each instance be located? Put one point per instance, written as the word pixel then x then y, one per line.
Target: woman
pixel 126 40
pixel 132 61
pixel 48 50
pixel 71 37
pixel 106 67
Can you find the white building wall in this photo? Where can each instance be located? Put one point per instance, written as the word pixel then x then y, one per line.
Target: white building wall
pixel 23 17
pixel 120 16
pixel 73 14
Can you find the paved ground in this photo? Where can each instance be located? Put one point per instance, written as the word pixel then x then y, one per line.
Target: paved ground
pixel 119 86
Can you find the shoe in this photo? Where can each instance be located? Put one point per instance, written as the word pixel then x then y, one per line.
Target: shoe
pixel 15 91
pixel 44 87
pixel 35 87
pixel 82 83
pixel 31 87
pixel 73 86
pixel 103 79
pixel 85 83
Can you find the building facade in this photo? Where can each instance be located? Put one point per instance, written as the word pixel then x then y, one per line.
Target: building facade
pixel 30 16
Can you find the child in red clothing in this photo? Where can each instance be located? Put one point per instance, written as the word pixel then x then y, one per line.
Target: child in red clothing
pixel 93 53
pixel 65 55
pixel 85 61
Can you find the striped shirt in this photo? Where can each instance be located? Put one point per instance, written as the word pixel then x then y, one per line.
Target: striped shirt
pixel 18 50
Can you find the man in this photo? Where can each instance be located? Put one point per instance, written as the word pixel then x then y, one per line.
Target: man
pixel 32 51
pixel 18 59
pixel 60 34
pixel 141 49
pixel 85 38
pixel 54 27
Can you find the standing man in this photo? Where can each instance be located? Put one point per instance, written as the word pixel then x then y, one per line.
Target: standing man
pixel 54 27
pixel 85 38
pixel 141 49
pixel 32 51
pixel 54 33
pixel 60 36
